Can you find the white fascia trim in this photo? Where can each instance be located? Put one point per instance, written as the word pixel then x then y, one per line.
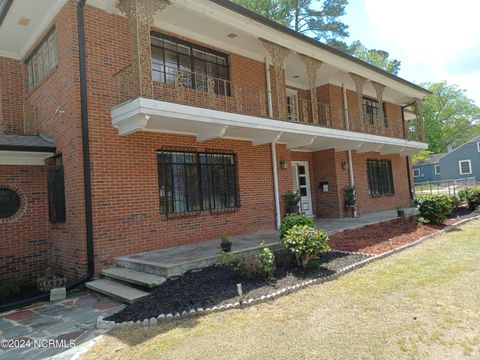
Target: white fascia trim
pixel 23 158
pixel 149 107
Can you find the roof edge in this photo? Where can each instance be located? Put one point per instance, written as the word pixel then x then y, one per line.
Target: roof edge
pixel 276 26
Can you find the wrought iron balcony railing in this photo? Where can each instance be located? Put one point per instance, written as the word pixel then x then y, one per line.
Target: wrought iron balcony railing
pixel 202 90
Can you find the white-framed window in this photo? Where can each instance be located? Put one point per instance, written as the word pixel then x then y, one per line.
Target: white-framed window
pixel 437 169
pixel 416 172
pixel 478 146
pixel 465 167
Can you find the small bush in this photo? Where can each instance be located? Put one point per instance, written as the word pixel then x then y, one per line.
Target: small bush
pixel 456 203
pixel 463 194
pixel 473 199
pixel 305 243
pixel 267 261
pixel 234 261
pixel 433 208
pixel 8 290
pixel 290 221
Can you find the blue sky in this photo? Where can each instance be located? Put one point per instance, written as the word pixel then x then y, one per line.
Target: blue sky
pixel 434 39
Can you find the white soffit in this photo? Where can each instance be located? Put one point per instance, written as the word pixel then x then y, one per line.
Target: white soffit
pixel 36 15
pixel 158 116
pixel 23 157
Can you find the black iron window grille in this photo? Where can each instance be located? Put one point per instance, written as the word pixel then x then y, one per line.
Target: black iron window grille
pixel 380 178
pixel 197 64
pixel 191 182
pixel 56 190
pixel 371 113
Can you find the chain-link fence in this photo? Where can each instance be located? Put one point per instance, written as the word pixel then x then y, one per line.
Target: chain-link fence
pixel 445 187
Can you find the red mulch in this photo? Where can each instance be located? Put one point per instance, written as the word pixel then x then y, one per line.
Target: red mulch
pixel 382 237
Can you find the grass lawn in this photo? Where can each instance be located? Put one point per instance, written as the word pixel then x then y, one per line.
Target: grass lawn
pixel 423 303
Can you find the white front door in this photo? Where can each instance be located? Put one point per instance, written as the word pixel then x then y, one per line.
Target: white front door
pixel 301 185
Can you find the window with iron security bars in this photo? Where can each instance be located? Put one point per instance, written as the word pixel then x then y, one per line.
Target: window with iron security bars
pixel 56 190
pixel 371 113
pixel 191 182
pixel 380 178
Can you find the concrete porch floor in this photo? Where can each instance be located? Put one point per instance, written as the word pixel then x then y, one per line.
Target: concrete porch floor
pixel 176 260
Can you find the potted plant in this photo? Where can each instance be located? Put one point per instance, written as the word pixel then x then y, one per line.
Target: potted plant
pixel 226 243
pixel 350 197
pixel 400 212
pixel 292 199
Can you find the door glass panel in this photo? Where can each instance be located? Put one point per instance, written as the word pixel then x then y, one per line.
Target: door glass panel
pixel 303 191
pixel 303 180
pixel 301 170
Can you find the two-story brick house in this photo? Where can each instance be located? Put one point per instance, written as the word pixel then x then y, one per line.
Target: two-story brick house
pixel 133 125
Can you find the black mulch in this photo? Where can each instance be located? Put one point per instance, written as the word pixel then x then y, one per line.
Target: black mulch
pixel 217 285
pixel 461 212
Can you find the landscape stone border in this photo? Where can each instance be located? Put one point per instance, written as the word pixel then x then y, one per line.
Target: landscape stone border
pixel 104 324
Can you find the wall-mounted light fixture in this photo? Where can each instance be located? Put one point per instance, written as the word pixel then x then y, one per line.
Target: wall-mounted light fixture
pixel 344 164
pixel 283 164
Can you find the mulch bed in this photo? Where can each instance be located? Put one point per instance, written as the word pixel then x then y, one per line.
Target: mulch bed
pixel 217 285
pixel 388 235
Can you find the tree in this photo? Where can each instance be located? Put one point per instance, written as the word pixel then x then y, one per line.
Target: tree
pixel 421 156
pixel 379 58
pixel 450 117
pixel 315 18
pixel 320 19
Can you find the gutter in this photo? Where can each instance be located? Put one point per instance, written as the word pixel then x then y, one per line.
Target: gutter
pixel 276 26
pixel 86 170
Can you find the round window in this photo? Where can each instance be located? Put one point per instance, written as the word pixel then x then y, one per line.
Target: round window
pixel 9 203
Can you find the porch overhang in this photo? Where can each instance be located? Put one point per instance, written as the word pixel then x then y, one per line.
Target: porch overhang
pixel 24 150
pixel 149 115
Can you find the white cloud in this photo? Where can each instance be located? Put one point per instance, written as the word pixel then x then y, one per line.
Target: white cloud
pixel 429 37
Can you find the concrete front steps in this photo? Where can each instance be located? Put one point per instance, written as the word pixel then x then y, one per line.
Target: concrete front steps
pixel 125 285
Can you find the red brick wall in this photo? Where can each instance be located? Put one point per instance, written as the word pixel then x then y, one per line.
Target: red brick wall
pixel 23 237
pixel 11 96
pixel 61 89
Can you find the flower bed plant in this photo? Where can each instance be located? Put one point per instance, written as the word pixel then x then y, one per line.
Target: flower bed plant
pixel 433 208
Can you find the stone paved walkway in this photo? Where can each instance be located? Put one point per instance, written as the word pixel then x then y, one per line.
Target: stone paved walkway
pixel 71 319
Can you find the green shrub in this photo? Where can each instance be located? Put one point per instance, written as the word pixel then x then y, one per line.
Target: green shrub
pixel 290 221
pixel 305 243
pixel 463 194
pixel 234 261
pixel 433 208
pixel 267 261
pixel 8 290
pixel 473 198
pixel 456 203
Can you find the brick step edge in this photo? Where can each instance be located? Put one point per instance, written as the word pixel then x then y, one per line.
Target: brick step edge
pixel 103 324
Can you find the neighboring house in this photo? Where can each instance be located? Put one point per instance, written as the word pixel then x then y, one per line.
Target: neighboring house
pixel 459 163
pixel 462 162
pixel 427 170
pixel 129 126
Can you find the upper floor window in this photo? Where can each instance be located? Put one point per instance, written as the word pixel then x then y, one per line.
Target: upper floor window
pixel 371 113
pixel 380 177
pixel 478 146
pixel 197 65
pixel 416 172
pixel 42 61
pixel 437 169
pixel 465 167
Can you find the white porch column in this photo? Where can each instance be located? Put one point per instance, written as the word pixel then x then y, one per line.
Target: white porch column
pixel 349 152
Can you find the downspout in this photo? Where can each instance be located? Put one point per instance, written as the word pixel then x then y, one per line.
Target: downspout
pixel 407 158
pixel 85 142
pixel 86 171
pixel 274 150
pixel 349 152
